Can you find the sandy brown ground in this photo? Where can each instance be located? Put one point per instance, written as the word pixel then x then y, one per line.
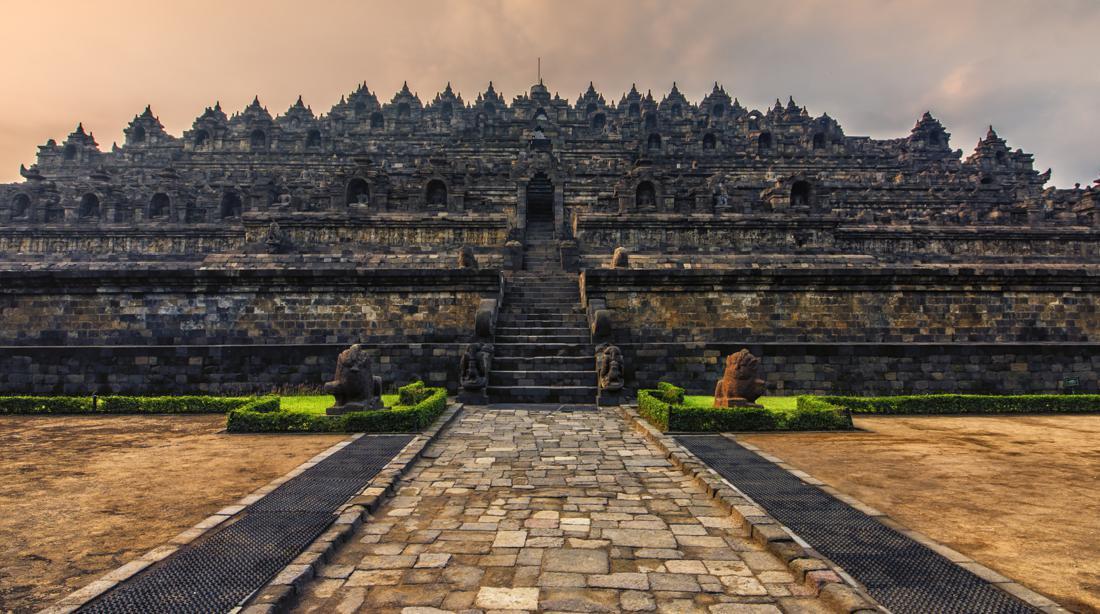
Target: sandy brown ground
pixel 80 496
pixel 1018 494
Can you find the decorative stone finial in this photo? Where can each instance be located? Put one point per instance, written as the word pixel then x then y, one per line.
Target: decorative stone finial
pixel 620 259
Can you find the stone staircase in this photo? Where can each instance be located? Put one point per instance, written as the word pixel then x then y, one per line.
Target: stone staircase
pixel 544 352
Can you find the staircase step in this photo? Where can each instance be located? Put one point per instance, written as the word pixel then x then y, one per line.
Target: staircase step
pixel 542 378
pixel 544 363
pixel 541 330
pixel 522 323
pixel 542 394
pixel 536 304
pixel 533 350
pixel 545 338
pixel 537 311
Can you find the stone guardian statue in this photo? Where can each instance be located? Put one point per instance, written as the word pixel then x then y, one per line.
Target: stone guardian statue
pixel 740 386
pixel 356 388
pixel 609 374
pixel 474 368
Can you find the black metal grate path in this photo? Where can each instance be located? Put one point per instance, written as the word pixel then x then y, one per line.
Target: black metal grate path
pixel 221 569
pixel 902 574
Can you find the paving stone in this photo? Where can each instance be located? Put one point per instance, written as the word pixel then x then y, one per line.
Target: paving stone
pixel 377 577
pixel 510 539
pixel 561 579
pixel 499 598
pixel 673 582
pixel 576 560
pixel 432 560
pixel 637 601
pixel 625 580
pixel 640 538
pixel 579 600
pixel 688 567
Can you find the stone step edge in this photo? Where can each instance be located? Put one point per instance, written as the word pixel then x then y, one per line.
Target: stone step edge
pixel 807 567
pixel 281 594
pixel 1006 584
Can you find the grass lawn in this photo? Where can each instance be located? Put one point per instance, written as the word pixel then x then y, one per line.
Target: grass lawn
pixel 318 403
pixel 773 403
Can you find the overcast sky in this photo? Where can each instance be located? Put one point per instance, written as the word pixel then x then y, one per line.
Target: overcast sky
pixel 1030 68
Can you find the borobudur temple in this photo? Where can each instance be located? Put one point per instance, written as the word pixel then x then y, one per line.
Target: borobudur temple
pixel 244 254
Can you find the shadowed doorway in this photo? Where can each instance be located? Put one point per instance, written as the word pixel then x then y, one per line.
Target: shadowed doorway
pixel 540 199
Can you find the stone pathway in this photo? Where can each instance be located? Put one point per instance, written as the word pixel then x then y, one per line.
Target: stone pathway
pixel 516 510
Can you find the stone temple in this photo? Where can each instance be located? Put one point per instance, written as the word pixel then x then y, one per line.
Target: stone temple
pixel 246 253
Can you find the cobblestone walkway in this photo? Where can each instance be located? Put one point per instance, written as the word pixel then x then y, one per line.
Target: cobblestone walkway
pixel 516 510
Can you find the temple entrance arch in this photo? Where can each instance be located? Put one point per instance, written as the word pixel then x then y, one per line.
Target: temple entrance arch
pixel 540 198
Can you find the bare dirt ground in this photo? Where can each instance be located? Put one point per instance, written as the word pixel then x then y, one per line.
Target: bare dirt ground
pixel 80 496
pixel 1019 494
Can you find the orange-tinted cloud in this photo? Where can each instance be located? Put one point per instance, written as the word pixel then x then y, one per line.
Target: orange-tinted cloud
pixel 1029 68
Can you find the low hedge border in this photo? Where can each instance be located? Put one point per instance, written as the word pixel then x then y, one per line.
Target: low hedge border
pixel 428 404
pixel 932 404
pixel 32 405
pixel 663 408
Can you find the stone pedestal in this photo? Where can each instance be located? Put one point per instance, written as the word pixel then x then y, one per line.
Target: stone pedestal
pixel 347 408
pixel 605 398
pixel 473 397
pixel 735 402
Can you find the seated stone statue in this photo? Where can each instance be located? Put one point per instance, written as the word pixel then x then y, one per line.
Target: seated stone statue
pixel 466 258
pixel 739 385
pixel 609 368
pixel 475 365
pixel 276 240
pixel 356 388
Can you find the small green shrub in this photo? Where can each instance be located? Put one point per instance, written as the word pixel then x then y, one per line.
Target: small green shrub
pixel 817 414
pixel 931 404
pixel 670 393
pixel 413 393
pixel 652 407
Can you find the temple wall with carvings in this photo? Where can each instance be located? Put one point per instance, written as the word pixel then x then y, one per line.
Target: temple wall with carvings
pixel 239 306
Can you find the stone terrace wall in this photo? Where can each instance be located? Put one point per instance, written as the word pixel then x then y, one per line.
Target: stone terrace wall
pixel 873 330
pixel 214 369
pixel 599 234
pixel 182 243
pixel 164 306
pixel 321 232
pixel 880 304
pixel 161 329
pixel 315 233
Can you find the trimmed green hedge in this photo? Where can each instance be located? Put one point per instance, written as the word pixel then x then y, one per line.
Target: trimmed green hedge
pixel 968 404
pixel 653 407
pixel 411 394
pixel 810 414
pixel 670 393
pixel 45 405
pixel 171 405
pixel 121 405
pixel 398 419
